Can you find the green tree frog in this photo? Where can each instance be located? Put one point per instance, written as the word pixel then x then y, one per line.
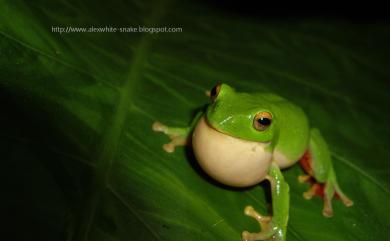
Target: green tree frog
pixel 241 139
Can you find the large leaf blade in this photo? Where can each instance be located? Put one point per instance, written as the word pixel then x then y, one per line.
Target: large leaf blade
pixel 100 93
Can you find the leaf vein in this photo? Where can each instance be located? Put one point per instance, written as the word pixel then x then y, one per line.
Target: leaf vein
pixel 132 210
pixel 362 172
pixel 62 62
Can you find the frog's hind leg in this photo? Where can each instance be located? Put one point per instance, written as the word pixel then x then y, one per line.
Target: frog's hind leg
pixel 318 164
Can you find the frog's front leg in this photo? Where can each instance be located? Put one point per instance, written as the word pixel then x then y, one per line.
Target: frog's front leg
pixel 179 135
pixel 272 228
pixel 318 164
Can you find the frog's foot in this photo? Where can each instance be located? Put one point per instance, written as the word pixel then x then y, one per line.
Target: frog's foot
pixel 178 136
pixel 327 191
pixel 332 189
pixel 315 188
pixel 267 229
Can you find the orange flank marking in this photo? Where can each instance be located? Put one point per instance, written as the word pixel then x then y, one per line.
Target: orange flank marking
pixel 306 163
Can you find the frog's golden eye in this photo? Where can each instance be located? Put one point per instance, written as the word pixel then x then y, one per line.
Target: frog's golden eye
pixel 214 92
pixel 262 121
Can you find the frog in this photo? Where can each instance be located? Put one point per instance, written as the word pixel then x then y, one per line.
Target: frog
pixel 241 139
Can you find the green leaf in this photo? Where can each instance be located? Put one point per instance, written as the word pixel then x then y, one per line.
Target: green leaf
pixel 80 161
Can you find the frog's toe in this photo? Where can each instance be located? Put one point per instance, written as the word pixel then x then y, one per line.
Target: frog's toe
pixel 169 147
pixel 327 211
pixel 159 127
pixel 251 212
pixel 307 195
pixel 347 202
pixel 175 141
pixel 304 178
pixel 247 236
pixel 315 189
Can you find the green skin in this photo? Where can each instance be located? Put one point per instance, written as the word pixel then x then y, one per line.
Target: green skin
pixel 232 113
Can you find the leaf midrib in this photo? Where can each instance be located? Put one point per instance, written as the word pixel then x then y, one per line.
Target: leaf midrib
pixel 113 135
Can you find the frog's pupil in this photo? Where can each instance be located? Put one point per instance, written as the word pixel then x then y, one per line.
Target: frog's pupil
pixel 264 121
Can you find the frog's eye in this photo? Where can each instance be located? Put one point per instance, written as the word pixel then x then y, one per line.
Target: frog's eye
pixel 262 121
pixel 215 91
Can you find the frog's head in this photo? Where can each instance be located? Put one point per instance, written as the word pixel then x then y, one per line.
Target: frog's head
pixel 245 116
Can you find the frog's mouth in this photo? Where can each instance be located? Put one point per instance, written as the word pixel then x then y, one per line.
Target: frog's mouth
pixel 214 127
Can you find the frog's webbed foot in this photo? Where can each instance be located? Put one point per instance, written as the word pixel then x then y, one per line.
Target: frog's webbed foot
pixel 327 191
pixel 315 189
pixel 332 189
pixel 267 231
pixel 178 136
